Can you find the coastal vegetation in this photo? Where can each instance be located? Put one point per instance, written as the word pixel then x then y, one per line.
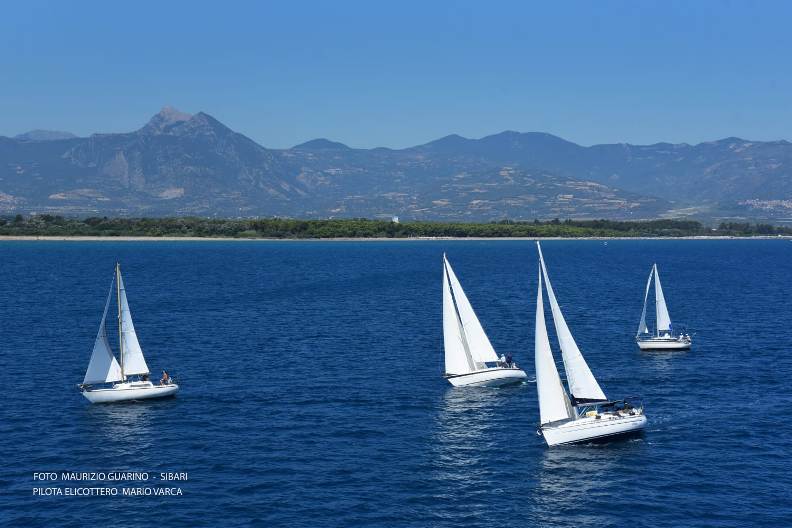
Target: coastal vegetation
pixel 281 228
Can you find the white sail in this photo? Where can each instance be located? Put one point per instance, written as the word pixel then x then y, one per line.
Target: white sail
pixel 582 384
pixel 553 399
pixel 642 328
pixel 478 343
pixel 103 367
pixel 663 319
pixel 457 355
pixel 133 360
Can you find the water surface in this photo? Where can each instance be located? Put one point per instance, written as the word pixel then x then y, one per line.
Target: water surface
pixel 311 389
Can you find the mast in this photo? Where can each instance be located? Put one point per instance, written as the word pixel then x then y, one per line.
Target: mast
pixel 120 329
pixel 657 306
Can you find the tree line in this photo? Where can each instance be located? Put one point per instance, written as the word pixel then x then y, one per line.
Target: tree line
pixel 53 225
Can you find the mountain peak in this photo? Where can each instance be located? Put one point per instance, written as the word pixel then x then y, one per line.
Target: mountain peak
pixel 525 137
pixel 321 144
pixel 44 135
pixel 164 120
pixel 731 139
pixel 446 142
pixel 172 115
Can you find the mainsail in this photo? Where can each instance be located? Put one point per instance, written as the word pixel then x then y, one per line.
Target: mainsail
pixel 478 344
pixel 103 367
pixel 663 319
pixel 582 384
pixel 457 355
pixel 642 328
pixel 133 360
pixel 553 400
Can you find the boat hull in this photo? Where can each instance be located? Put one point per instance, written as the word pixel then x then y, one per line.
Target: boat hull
pixel 590 429
pixel 494 377
pixel 129 392
pixel 664 344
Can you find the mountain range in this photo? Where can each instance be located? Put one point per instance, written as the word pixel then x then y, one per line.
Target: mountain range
pixel 182 164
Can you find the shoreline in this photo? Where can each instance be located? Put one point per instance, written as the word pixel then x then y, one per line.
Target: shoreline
pixel 34 238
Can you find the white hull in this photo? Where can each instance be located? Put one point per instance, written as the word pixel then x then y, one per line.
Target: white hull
pixel 493 377
pixel 660 343
pixel 590 428
pixel 136 390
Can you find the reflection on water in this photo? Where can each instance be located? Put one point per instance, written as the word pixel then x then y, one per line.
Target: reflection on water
pixel 462 447
pixel 129 426
pixel 662 360
pixel 569 476
pixel 460 434
pixel 462 421
pixel 464 438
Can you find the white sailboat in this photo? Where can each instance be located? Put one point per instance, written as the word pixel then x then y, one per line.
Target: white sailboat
pixel 129 377
pixel 664 338
pixel 584 413
pixel 469 356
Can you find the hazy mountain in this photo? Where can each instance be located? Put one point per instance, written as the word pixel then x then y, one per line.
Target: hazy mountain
pixel 44 135
pixel 728 169
pixel 175 164
pixel 192 164
pixel 732 176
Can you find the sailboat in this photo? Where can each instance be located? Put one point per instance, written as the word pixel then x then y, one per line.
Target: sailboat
pixel 583 413
pixel 469 356
pixel 664 338
pixel 127 378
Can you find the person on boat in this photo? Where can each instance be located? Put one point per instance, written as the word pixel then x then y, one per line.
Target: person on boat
pixel 165 378
pixel 509 360
pixel 144 377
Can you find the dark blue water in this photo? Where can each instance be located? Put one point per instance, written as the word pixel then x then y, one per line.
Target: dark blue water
pixel 311 389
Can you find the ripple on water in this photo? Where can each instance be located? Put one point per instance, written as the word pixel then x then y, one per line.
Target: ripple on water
pixel 312 393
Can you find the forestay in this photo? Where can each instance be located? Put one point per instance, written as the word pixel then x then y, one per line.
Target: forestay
pixel 457 355
pixel 103 367
pixel 134 363
pixel 553 400
pixel 478 343
pixel 642 328
pixel 582 384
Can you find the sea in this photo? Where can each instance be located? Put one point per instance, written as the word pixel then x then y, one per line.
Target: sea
pixel 312 392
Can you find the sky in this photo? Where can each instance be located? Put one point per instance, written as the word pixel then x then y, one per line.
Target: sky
pixel 401 73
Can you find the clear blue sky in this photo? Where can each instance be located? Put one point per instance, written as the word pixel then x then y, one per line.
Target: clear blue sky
pixel 400 73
